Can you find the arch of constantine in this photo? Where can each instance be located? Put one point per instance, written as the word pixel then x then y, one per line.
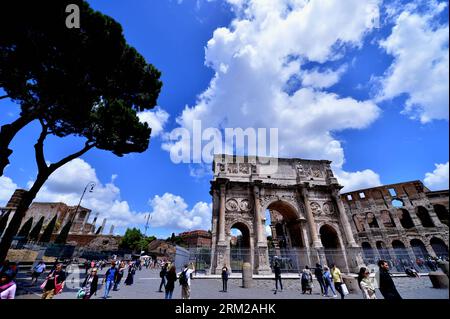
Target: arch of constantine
pixel 303 199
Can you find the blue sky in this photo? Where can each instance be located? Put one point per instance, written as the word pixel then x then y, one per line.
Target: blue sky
pixel 361 76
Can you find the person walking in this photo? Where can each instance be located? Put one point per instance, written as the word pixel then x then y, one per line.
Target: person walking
pixel 277 271
pixel 171 278
pixel 306 280
pixel 318 273
pixel 385 282
pixel 7 285
pixel 130 276
pixel 110 278
pixel 337 280
pixel 90 284
pixel 366 286
pixel 328 280
pixel 120 272
pixel 54 283
pixel 185 281
pixel 162 275
pixel 225 275
pixel 38 270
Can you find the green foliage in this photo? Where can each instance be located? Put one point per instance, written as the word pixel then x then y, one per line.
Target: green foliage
pixel 134 240
pixel 47 234
pixel 176 240
pixel 62 236
pixel 34 234
pixel 25 230
pixel 131 239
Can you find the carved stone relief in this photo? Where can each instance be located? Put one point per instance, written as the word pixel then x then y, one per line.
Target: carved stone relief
pixel 316 209
pixel 244 168
pixel 328 208
pixel 232 205
pixel 238 204
pixel 233 168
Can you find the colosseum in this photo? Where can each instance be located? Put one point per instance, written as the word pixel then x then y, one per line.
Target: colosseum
pixel 403 223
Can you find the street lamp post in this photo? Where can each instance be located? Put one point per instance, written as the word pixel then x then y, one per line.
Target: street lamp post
pixel 89 185
pixel 149 217
pixel 62 237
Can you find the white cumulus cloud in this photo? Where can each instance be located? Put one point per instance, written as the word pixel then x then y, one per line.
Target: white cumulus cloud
pixel 266 46
pixel 357 180
pixel 437 179
pixel 156 119
pixel 171 211
pixel 7 188
pixel 67 184
pixel 419 45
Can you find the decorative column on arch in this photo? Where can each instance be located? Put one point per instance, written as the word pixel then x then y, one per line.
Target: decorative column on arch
pixel 222 194
pixel 261 249
pixel 221 249
pixel 257 218
pixel 344 219
pixel 310 217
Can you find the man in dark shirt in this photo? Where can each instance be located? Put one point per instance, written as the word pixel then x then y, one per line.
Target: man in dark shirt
pixel 56 277
pixel 386 284
pixel 277 271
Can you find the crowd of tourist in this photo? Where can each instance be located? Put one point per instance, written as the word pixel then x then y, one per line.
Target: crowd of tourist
pixel 329 278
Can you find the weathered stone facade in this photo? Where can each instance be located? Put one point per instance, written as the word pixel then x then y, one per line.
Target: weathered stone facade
pixel 63 212
pixel 399 221
pixel 305 195
pixel 196 238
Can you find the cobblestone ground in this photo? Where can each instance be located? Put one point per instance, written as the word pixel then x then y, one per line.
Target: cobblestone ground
pixel 146 284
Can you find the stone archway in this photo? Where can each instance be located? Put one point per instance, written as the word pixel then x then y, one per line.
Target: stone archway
pixel 419 249
pixel 288 231
pixel 332 248
pixel 439 247
pixel 383 251
pixel 241 250
pixel 441 213
pixel 424 216
pixel 304 193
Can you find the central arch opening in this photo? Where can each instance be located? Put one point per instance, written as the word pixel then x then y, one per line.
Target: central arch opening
pixel 284 234
pixel 332 247
pixel 240 249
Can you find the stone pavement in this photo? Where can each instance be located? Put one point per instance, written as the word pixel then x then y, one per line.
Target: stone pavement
pixel 146 284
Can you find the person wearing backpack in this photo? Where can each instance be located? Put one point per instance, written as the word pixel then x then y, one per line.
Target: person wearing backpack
pixel 306 280
pixel 162 275
pixel 185 281
pixel 318 272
